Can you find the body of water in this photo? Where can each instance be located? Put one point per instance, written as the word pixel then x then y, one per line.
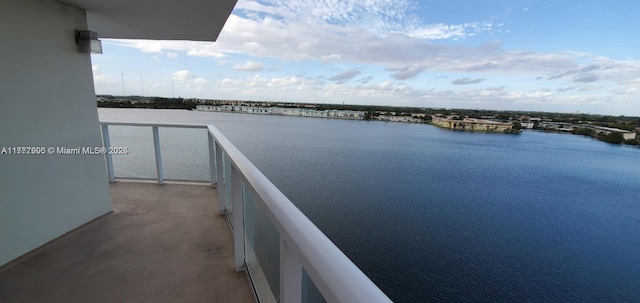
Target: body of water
pixel 433 215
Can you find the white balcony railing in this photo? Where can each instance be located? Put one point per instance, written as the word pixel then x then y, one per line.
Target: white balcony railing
pixel 245 195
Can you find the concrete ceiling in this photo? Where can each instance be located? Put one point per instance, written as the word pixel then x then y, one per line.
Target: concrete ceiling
pixel 197 20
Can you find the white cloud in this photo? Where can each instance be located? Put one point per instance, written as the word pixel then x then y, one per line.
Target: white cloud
pixel 345 76
pixel 466 81
pixel 249 66
pixel 182 75
pixel 200 81
pixel 147 46
pixel 291 41
pixel 253 48
pixel 369 13
pixel 444 31
pixel 329 58
pixel 98 78
pixel 277 31
pixel 204 49
pixel 172 55
pixel 407 72
pixel 585 78
pixel 192 48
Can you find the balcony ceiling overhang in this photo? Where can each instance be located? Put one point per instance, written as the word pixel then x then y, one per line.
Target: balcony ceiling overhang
pixel 197 20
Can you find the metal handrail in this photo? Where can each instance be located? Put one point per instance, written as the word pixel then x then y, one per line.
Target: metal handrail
pixel 169 125
pixel 302 244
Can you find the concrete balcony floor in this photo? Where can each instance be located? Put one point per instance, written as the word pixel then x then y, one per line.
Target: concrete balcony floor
pixel 162 243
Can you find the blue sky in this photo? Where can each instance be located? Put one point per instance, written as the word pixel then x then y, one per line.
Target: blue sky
pixel 558 56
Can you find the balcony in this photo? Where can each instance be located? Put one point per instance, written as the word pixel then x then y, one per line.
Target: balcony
pixel 171 242
pixel 160 244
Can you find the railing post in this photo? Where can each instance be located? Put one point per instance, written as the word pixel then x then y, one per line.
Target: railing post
pixel 238 215
pixel 106 142
pixel 290 275
pixel 219 178
pixel 156 146
pixel 212 161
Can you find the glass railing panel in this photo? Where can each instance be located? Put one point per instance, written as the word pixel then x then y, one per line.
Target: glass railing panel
pixel 310 293
pixel 262 248
pixel 185 154
pixel 139 162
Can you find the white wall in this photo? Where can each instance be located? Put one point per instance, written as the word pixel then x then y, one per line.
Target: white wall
pixel 46 99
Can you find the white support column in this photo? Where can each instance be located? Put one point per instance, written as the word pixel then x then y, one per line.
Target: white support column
pixel 212 160
pixel 220 178
pixel 238 217
pixel 106 142
pixel 156 146
pixel 290 275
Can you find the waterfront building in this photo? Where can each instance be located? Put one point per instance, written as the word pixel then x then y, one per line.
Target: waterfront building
pixel 560 126
pixel 305 111
pixel 527 124
pixel 471 124
pixel 210 108
pixel 602 130
pixel 406 119
pixel 345 114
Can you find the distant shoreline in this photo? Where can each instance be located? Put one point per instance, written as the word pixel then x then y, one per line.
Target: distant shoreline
pixel 611 129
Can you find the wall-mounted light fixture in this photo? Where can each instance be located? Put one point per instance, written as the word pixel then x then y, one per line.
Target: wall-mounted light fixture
pixel 88 42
